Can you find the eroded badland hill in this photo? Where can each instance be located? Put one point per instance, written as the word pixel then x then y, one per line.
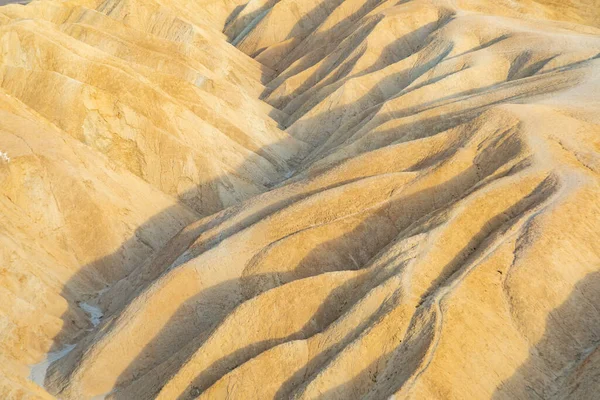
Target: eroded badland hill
pixel 307 199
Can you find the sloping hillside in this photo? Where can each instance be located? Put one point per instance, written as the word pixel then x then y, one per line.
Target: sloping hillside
pixel 300 199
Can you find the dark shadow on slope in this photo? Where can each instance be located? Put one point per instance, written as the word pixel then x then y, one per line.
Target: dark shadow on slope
pixel 339 123
pixel 195 388
pixel 349 121
pixel 305 28
pixel 386 89
pixel 378 380
pixel 235 24
pixel 564 363
pixel 184 332
pixel 234 15
pixel 460 186
pixel 493 227
pixel 112 281
pixel 308 371
pixel 5 2
pixel 305 25
pixel 485 45
pixel 337 66
pixel 315 39
pixel 168 225
pixel 89 280
pixel 335 304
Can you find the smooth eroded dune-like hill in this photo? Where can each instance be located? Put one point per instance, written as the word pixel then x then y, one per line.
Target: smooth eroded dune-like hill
pixel 300 199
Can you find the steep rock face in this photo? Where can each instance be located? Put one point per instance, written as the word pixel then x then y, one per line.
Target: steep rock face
pixel 357 199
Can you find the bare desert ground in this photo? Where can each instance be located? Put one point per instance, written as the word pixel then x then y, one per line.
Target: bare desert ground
pixel 300 199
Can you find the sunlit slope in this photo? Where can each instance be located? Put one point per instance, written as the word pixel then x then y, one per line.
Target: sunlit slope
pixel 170 101
pixel 72 223
pixel 115 134
pixel 382 198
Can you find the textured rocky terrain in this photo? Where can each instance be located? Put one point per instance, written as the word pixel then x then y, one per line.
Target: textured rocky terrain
pixel 305 199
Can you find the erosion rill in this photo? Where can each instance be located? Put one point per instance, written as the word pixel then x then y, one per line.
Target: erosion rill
pixel 307 199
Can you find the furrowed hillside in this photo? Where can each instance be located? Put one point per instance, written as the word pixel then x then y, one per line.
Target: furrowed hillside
pixel 317 199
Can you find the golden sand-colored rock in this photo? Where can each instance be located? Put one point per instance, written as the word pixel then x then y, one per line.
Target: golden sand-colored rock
pixel 317 199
